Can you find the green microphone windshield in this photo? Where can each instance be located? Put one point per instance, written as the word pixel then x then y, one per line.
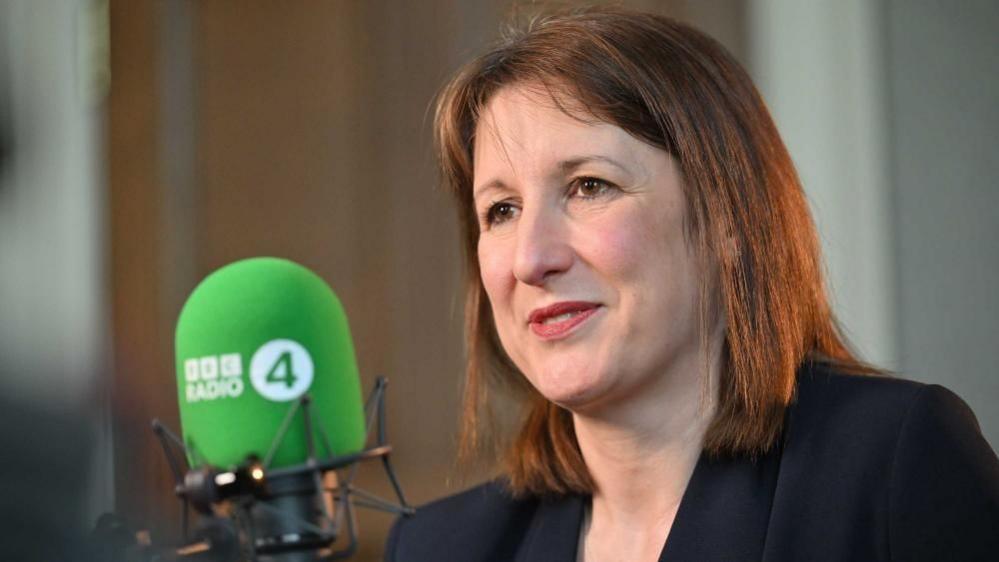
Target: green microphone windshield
pixel 253 338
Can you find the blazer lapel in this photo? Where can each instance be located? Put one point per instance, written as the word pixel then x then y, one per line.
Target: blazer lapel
pixel 725 509
pixel 554 532
pixel 723 515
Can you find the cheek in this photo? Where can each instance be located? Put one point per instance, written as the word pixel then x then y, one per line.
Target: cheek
pixel 495 270
pixel 626 247
pixel 644 254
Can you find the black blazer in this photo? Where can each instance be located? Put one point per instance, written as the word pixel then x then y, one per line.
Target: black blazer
pixel 869 468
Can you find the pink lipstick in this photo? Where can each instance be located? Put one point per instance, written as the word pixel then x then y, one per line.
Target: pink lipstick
pixel 558 320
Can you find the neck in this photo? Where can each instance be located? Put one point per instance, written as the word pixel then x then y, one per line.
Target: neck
pixel 642 450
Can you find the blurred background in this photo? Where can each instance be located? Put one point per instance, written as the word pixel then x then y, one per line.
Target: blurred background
pixel 144 144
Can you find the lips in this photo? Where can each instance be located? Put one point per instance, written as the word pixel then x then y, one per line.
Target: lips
pixel 559 319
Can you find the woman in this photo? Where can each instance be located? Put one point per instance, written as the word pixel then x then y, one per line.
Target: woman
pixel 643 272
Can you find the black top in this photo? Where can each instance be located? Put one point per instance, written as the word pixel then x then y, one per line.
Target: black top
pixel 869 468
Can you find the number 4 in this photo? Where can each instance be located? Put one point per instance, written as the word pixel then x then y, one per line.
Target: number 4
pixel 282 371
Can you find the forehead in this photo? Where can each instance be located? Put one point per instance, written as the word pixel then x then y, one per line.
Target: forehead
pixel 523 127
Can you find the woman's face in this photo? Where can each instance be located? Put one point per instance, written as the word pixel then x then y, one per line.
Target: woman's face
pixel 582 252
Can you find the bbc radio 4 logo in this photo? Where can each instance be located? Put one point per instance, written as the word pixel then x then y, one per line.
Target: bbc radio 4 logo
pixel 214 377
pixel 280 370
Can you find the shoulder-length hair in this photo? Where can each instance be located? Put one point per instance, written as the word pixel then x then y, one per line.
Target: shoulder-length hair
pixel 678 90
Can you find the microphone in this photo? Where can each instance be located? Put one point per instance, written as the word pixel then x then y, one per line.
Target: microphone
pixel 253 337
pixel 270 408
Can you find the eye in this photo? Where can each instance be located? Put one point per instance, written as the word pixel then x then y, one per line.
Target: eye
pixel 590 188
pixel 499 212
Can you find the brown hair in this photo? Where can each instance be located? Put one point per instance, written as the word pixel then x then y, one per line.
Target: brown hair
pixel 678 90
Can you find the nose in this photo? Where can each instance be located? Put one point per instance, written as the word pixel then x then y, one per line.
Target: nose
pixel 543 247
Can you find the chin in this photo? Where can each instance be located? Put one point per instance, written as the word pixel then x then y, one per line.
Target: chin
pixel 573 390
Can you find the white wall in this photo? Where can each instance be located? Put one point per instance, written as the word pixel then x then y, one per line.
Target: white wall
pixel 943 77
pixel 891 112
pixel 817 66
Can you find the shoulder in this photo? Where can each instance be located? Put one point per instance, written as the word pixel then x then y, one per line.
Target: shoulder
pixel 475 524
pixel 879 409
pixel 832 408
pixel 910 451
pixel 865 416
pixel 944 486
pixel 822 386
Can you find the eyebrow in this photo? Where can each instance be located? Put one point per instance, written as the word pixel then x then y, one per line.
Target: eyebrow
pixel 565 166
pixel 572 164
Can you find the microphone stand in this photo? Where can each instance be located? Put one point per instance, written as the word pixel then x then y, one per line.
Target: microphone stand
pixel 255 510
